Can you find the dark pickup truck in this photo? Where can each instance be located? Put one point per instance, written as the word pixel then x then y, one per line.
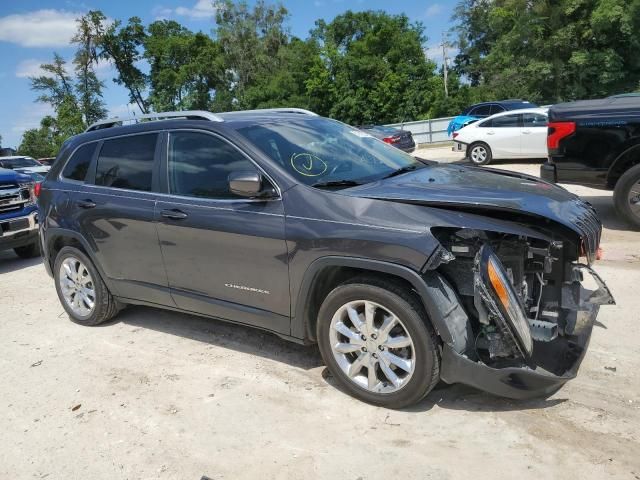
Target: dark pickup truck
pixel 597 143
pixel 18 214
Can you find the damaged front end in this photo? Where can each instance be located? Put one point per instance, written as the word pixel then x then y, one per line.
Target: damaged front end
pixel 529 313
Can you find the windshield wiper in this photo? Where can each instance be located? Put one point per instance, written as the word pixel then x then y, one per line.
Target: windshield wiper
pixel 336 183
pixel 400 171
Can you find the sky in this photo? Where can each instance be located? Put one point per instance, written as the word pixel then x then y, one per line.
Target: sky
pixel 31 30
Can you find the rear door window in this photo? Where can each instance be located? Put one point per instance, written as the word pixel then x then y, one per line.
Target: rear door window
pixel 534 120
pixel 495 108
pixel 78 165
pixel 506 121
pixel 481 111
pixel 127 162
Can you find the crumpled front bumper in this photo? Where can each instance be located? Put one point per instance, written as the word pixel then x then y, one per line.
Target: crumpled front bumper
pixel 530 382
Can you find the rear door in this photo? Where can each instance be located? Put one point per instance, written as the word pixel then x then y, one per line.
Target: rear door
pixel 114 210
pixel 503 135
pixel 225 255
pixel 534 135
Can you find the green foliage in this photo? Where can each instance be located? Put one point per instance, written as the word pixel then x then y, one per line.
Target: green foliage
pixel 185 68
pixel 549 51
pixel 373 68
pixel 87 88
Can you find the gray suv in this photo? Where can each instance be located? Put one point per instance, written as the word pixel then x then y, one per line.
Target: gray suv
pixel 404 272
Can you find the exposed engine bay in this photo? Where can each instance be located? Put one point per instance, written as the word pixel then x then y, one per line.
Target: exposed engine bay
pixel 524 297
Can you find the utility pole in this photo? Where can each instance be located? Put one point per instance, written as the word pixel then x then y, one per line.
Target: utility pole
pixel 444 64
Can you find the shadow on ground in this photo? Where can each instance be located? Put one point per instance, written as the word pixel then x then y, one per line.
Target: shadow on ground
pixel 10 262
pixel 266 345
pixel 221 334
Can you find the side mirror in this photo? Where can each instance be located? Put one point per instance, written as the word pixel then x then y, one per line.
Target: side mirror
pixel 246 184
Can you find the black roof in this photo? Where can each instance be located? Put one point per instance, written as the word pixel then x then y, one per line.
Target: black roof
pixel 612 107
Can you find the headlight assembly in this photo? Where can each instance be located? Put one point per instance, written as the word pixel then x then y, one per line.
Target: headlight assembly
pixel 498 296
pixel 30 186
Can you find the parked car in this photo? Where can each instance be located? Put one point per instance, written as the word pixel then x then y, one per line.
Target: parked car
pixel 402 139
pixel 18 214
pixel 521 134
pixel 48 161
pixel 484 110
pixel 23 164
pixel 404 272
pixel 597 143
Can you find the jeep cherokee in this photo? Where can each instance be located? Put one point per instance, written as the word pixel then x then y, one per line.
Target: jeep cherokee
pixel 405 272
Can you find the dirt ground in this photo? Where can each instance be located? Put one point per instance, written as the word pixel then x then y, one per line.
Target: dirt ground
pixel 156 394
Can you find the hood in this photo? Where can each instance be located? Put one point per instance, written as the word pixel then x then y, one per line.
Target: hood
pixel 476 188
pixel 42 169
pixel 10 176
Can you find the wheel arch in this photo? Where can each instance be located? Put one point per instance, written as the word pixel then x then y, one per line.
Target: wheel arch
pixel 627 159
pixel 438 297
pixel 57 238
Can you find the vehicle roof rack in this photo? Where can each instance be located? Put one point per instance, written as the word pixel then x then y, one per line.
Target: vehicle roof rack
pixel 189 115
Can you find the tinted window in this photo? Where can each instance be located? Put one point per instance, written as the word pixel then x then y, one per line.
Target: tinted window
pixel 127 162
pixel 534 120
pixel 495 108
pixel 78 165
pixel 200 164
pixel 505 121
pixel 481 111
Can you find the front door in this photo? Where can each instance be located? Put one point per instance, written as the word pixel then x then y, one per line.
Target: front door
pixel 114 210
pixel 225 255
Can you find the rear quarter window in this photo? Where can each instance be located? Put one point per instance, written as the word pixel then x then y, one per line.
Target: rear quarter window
pixel 78 165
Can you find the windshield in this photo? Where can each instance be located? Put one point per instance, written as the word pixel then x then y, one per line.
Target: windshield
pixel 319 151
pixel 18 163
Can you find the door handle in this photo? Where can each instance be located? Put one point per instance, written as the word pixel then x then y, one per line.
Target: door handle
pixel 491 132
pixel 86 203
pixel 526 132
pixel 173 214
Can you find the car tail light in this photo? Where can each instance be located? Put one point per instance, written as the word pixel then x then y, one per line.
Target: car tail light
pixel 36 189
pixel 394 139
pixel 557 131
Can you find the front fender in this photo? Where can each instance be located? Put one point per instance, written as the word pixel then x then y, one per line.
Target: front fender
pixel 441 302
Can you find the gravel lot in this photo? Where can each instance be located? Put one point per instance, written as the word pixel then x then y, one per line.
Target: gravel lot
pixel 157 394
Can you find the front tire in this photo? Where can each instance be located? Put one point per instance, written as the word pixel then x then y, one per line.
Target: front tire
pixel 376 340
pixel 626 196
pixel 81 290
pixel 479 153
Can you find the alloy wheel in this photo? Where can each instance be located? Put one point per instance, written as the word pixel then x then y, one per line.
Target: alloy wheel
pixel 372 346
pixel 478 154
pixel 77 287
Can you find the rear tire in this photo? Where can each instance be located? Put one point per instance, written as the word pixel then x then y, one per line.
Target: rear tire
pixel 479 153
pixel 88 309
pixel 28 251
pixel 406 364
pixel 626 196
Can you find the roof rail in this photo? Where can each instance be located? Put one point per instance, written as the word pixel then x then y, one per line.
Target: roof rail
pixel 275 110
pixel 188 114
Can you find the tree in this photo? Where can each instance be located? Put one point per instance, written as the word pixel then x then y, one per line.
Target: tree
pixel 55 85
pixel 250 40
pixel 121 45
pixel 548 51
pixel 185 68
pixel 373 68
pixel 87 88
pixel 39 142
